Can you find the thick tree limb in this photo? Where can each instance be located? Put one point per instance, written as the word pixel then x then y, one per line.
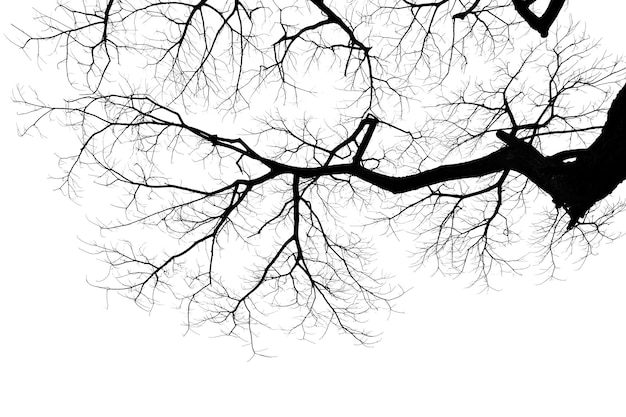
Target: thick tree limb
pixel 540 24
pixel 575 186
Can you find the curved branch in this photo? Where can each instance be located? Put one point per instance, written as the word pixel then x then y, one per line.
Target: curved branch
pixel 540 24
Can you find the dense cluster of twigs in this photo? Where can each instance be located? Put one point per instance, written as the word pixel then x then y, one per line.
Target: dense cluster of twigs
pixel 261 127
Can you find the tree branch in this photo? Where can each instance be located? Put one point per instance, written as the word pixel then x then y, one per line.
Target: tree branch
pixel 540 24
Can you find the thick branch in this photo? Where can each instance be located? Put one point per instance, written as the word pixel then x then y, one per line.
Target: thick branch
pixel 575 186
pixel 540 24
pixel 490 164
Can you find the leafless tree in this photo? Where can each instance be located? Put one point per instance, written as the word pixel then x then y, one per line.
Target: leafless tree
pixel 288 130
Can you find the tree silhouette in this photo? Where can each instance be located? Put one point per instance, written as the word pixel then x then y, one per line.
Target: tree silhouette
pixel 284 132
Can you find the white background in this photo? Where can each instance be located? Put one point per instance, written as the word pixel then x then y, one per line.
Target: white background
pixel 543 350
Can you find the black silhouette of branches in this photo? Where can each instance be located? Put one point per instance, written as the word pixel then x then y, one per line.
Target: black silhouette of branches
pixel 257 143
